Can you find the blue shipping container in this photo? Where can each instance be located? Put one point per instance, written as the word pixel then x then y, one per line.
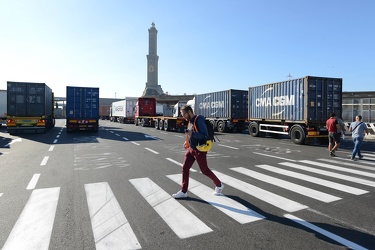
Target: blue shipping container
pixel 82 103
pixel 302 100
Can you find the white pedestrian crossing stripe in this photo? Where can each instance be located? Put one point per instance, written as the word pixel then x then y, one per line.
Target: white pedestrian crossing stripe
pixel 328 173
pixel 315 180
pixel 261 194
pixel 109 225
pixel 179 219
pixel 34 226
pixel 232 208
pixel 288 185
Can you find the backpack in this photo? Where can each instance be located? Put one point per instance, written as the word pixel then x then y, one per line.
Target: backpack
pixel 210 129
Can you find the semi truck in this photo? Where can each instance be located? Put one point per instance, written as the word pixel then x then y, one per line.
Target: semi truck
pixel 123 111
pixel 226 110
pixel 146 116
pixel 30 107
pixel 3 107
pixel 298 108
pixel 82 109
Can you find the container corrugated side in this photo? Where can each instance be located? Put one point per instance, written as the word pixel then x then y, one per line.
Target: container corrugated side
pixel 82 103
pixel 307 99
pixel 29 99
pixel 229 104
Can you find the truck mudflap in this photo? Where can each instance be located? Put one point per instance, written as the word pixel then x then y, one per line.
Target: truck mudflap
pixel 82 125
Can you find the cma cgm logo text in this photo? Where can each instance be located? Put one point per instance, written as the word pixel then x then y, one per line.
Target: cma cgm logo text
pixel 119 108
pixel 275 101
pixel 207 105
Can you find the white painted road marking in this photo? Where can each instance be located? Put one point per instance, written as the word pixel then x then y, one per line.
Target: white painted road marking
pixel 180 164
pixel 135 143
pixel 230 207
pixel 178 218
pixel 330 235
pixel 33 182
pixel 348 170
pixel 109 224
pixel 227 146
pixel 261 194
pixel 34 226
pixel 331 174
pixel 272 156
pixel 153 151
pixel 288 185
pixel 315 180
pixel 44 161
pixel 126 139
pixel 55 141
pixel 51 148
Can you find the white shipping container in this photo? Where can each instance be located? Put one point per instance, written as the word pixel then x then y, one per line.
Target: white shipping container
pixel 124 108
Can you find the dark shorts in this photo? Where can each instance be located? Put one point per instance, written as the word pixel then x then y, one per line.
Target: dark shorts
pixel 334 137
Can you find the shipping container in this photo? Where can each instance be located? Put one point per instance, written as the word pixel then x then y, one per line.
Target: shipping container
pixel 297 107
pixel 227 110
pixel 124 111
pixel 104 112
pixel 29 107
pixel 82 108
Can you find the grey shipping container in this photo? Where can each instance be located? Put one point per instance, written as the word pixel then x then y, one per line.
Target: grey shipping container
pixel 308 101
pixel 28 99
pixel 227 110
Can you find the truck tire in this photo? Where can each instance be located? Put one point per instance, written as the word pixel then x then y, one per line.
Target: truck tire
pixel 254 129
pixel 136 122
pixel 167 126
pixel 297 134
pixel 161 124
pixel 157 124
pixel 221 126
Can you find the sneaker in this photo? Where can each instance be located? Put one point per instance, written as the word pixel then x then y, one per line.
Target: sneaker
pixel 219 190
pixel 332 154
pixel 352 158
pixel 180 195
pixel 360 157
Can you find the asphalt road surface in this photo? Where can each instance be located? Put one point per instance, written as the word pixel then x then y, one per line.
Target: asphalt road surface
pixel 112 190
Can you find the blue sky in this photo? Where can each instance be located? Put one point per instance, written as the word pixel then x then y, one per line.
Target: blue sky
pixel 203 46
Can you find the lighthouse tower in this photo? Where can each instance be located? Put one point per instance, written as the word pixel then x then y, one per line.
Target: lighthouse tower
pixel 152 88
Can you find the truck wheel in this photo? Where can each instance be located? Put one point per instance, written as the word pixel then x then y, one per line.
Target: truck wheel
pixel 221 126
pixel 136 122
pixel 157 124
pixel 298 135
pixel 254 129
pixel 166 125
pixel 161 124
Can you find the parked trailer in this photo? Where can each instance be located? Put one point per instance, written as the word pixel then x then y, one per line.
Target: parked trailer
pixel 123 111
pixel 82 109
pixel 145 116
pixel 298 107
pixel 226 110
pixel 30 107
pixel 3 107
pixel 104 112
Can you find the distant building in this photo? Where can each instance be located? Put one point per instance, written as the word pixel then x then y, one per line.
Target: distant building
pixel 358 103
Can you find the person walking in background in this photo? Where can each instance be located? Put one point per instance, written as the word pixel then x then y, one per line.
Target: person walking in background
pixel 334 138
pixel 341 130
pixel 192 154
pixel 358 129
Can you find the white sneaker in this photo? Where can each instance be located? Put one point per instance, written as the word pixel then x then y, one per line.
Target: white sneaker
pixel 180 195
pixel 219 190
